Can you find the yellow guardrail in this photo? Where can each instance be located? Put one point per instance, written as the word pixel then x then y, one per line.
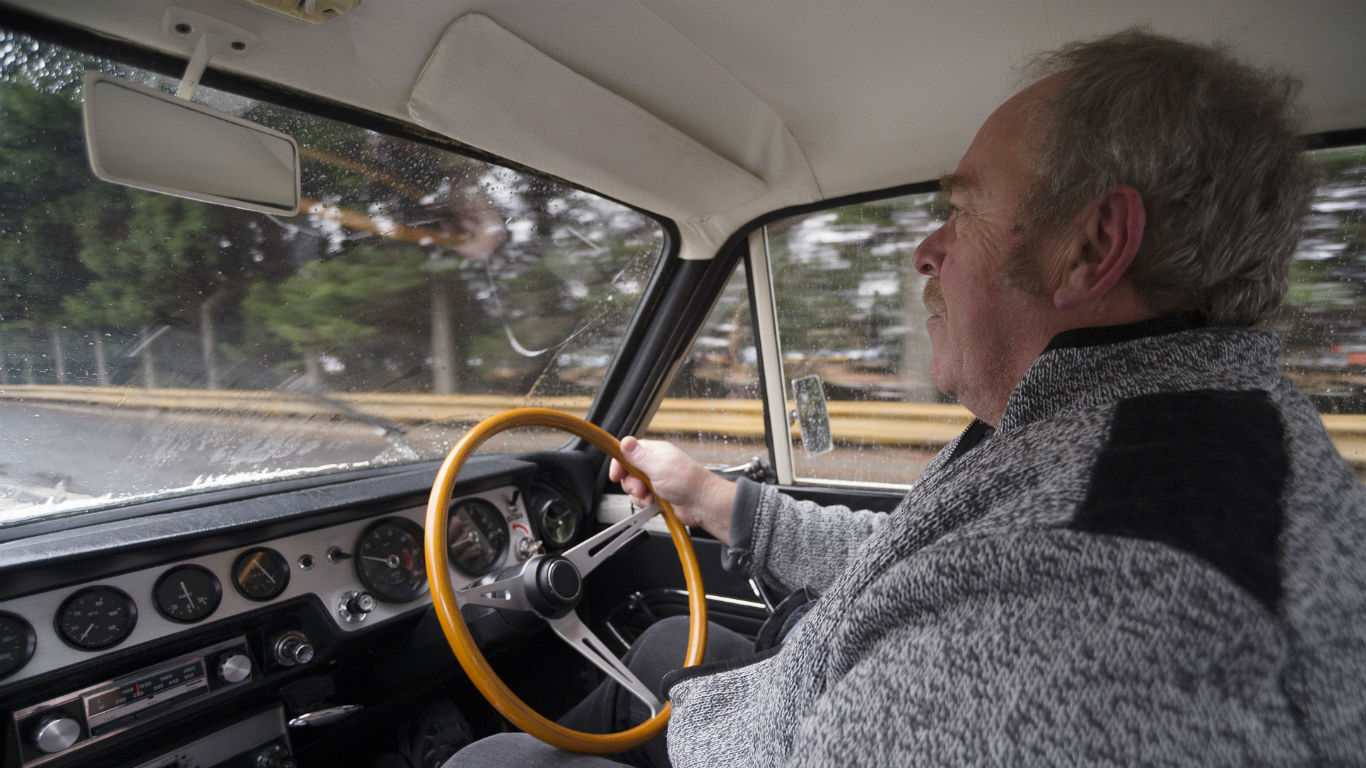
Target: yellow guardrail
pixel 881 423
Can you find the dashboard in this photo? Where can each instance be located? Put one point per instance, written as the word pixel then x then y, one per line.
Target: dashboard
pixel 161 627
pixel 367 572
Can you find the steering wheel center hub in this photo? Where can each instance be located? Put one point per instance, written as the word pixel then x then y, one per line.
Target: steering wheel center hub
pixel 553 584
pixel 561 581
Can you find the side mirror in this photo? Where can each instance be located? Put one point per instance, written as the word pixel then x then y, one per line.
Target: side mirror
pixel 812 415
pixel 141 137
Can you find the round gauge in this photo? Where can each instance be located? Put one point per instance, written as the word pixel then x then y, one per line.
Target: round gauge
pixel 477 536
pixel 187 593
pixel 559 521
pixel 260 573
pixel 96 618
pixel 17 642
pixel 389 560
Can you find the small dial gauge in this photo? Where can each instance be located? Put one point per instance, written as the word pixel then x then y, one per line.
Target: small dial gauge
pixel 17 642
pixel 389 560
pixel 187 593
pixel 559 521
pixel 96 618
pixel 260 573
pixel 477 536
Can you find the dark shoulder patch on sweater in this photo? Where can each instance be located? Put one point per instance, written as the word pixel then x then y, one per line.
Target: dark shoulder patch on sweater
pixel 1200 471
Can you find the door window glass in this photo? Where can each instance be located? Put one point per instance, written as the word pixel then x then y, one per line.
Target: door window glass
pixel 850 311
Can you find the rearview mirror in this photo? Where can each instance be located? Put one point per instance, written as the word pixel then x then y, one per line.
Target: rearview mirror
pixel 144 138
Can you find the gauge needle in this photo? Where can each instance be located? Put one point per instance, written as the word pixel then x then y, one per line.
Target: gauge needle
pixel 186 592
pixel 256 563
pixel 391 560
pixel 87 631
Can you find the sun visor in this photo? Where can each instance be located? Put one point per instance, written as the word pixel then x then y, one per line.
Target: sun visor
pixel 486 87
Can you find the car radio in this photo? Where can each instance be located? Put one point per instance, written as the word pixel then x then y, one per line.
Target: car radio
pixel 80 718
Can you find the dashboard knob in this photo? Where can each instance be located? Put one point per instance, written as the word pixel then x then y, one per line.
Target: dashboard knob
pixel 293 648
pixel 234 667
pixel 55 734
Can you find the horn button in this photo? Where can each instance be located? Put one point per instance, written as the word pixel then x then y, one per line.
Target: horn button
pixel 556 586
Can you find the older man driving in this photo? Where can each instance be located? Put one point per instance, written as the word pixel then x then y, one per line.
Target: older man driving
pixel 1145 549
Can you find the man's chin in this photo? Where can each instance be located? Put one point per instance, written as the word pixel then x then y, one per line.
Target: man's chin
pixel 939 377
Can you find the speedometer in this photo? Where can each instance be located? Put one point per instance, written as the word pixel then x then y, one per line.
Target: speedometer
pixel 389 560
pixel 477 536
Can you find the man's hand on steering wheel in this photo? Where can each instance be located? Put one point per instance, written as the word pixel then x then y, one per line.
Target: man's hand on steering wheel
pixel 698 497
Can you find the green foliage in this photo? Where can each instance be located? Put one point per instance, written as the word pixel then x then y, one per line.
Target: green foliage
pixel 849 271
pixel 332 306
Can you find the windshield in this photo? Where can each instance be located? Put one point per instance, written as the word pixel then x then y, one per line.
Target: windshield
pixel 153 346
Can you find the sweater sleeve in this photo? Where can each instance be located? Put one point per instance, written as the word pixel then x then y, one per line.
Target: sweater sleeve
pixel 1055 650
pixel 793 543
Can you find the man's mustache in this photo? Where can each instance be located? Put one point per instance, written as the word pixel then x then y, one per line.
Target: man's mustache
pixel 933 297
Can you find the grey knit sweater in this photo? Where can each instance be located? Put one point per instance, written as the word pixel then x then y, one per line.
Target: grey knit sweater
pixel 1156 558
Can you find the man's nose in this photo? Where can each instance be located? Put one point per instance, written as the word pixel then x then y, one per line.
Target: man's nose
pixel 930 253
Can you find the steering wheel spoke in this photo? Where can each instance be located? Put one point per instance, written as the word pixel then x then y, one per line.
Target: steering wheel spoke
pixel 508 594
pixel 592 552
pixel 572 630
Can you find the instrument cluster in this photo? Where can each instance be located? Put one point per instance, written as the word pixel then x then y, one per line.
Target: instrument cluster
pixel 364 572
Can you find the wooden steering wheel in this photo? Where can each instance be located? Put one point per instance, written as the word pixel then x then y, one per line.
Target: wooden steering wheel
pixel 550 587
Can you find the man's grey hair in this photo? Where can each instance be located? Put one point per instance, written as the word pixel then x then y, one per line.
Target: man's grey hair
pixel 1211 145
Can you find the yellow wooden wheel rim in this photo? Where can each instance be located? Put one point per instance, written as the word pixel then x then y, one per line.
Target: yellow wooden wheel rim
pixel 458 634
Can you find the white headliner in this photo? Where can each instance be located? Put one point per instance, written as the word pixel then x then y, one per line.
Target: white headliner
pixel 763 104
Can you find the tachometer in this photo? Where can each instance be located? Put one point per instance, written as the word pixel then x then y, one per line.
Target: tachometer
pixel 477 536
pixel 96 618
pixel 389 560
pixel 17 642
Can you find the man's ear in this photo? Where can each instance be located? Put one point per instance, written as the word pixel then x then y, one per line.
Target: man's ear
pixel 1110 231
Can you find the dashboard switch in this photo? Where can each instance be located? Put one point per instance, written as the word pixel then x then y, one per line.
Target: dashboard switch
pixel 55 734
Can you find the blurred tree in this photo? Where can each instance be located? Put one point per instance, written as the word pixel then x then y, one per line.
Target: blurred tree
pixel 329 307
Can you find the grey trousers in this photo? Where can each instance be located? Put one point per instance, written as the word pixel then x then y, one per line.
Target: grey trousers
pixel 658 651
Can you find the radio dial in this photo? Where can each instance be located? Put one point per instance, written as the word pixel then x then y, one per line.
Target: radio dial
pixel 55 734
pixel 234 668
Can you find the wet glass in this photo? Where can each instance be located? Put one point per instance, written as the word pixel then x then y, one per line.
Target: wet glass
pixel 850 311
pixel 152 346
